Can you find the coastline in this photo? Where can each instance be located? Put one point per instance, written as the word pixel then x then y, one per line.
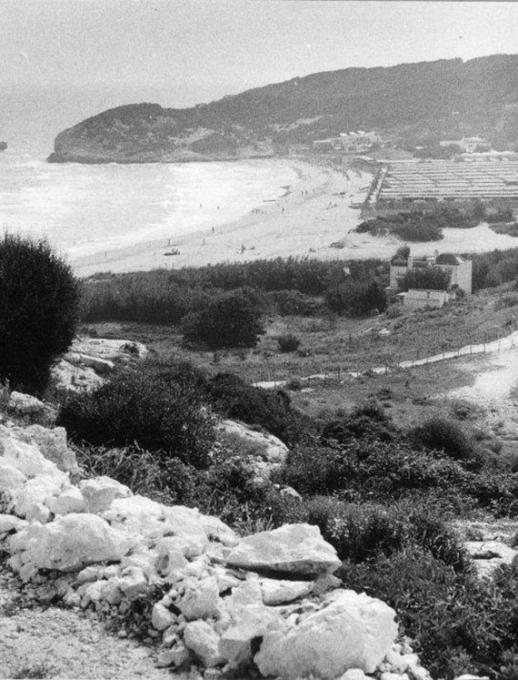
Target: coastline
pixel 303 220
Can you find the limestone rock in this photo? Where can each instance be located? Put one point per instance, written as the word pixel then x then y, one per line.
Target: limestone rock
pixel 292 548
pixel 279 592
pixel 69 379
pixel 350 631
pixel 161 617
pixel 100 492
pixel 262 452
pixel 246 623
pixel 69 500
pixel 354 674
pixel 33 501
pixel 11 479
pixel 52 442
pixel 203 640
pixel 176 656
pixel 25 404
pixel 69 543
pixel 10 523
pixel 200 599
pixel 27 458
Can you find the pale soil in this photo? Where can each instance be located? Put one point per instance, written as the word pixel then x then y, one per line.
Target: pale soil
pixel 65 643
pixel 314 212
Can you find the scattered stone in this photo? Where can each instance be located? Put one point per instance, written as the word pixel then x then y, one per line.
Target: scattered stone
pixel 203 640
pixel 292 548
pixel 161 617
pixel 172 657
pixel 100 492
pixel 25 404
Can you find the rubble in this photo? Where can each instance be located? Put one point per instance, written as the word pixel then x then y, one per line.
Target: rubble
pixel 211 598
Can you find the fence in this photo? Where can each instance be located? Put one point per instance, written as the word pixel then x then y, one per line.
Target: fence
pixel 500 343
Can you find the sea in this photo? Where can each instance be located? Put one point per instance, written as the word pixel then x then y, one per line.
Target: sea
pixel 85 210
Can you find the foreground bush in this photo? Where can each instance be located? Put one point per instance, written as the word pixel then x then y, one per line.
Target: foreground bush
pixel 229 320
pixel 138 408
pixel 288 343
pixel 39 303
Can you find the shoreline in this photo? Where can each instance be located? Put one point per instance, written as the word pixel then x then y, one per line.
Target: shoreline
pixel 312 217
pixel 306 217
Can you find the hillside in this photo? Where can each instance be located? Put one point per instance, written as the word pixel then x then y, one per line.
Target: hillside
pixel 410 102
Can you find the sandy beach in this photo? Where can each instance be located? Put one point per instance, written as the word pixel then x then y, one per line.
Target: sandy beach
pixel 318 210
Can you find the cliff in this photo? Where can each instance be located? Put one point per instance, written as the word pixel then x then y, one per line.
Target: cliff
pixel 446 98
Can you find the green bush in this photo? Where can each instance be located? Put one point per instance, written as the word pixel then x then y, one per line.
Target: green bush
pixel 229 320
pixel 135 407
pixel 39 303
pixel 288 343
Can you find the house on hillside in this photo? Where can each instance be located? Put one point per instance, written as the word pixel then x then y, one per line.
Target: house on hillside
pixel 349 142
pixel 416 298
pixel 460 272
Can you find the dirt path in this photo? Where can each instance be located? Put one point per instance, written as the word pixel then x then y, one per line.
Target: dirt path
pixel 65 643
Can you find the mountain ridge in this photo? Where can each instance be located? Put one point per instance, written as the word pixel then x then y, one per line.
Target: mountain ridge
pixel 407 102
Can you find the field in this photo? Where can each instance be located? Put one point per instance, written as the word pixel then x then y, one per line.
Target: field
pixel 450 180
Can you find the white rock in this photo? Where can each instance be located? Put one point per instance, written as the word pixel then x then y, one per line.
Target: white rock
pixel 417 672
pixel 203 640
pixel 200 599
pixel 11 479
pixel 27 458
pixel 25 404
pixel 161 617
pixel 69 500
pixel 293 548
pixel 217 530
pixel 133 582
pixel 100 492
pixel 111 590
pixel 69 543
pixel 279 592
pixel 246 623
pixel 33 501
pixel 89 574
pixel 354 674
pixel 11 523
pixel 52 442
pixel 69 379
pixel 176 656
pixel 351 631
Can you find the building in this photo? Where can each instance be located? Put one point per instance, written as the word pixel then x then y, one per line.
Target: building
pixel 459 269
pixel 349 142
pixel 416 298
pixel 468 144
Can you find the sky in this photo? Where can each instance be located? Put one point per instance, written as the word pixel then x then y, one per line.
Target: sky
pixel 83 56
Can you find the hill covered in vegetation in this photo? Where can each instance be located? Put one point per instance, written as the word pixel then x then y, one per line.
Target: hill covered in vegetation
pixel 410 102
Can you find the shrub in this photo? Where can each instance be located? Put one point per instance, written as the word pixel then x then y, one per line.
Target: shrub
pixel 271 409
pixel 293 302
pixel 39 302
pixel 427 277
pixel 135 407
pixel 357 297
pixel 288 343
pixel 229 320
pixel 445 435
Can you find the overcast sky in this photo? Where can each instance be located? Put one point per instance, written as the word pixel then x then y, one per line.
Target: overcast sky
pixel 180 52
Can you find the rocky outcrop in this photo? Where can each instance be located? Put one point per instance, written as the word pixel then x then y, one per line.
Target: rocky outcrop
pixel 212 598
pixel 89 362
pixel 262 453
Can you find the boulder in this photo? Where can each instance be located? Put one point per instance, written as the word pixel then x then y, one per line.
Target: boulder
pixel 10 523
pixel 280 592
pixel 69 379
pixel 69 543
pixel 292 548
pixel 27 458
pixel 200 599
pixel 100 492
pixel 69 500
pixel 350 631
pixel 262 452
pixel 247 623
pixel 52 442
pixel 203 640
pixel 161 617
pixel 25 404
pixel 11 479
pixel 34 499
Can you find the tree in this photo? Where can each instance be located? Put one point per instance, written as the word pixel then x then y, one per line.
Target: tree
pixel 39 307
pixel 229 320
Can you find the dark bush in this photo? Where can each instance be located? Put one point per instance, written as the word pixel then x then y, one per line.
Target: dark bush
pixel 427 277
pixel 270 409
pixel 229 320
pixel 39 303
pixel 293 302
pixel 288 343
pixel 367 420
pixel 135 407
pixel 443 434
pixel 356 297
